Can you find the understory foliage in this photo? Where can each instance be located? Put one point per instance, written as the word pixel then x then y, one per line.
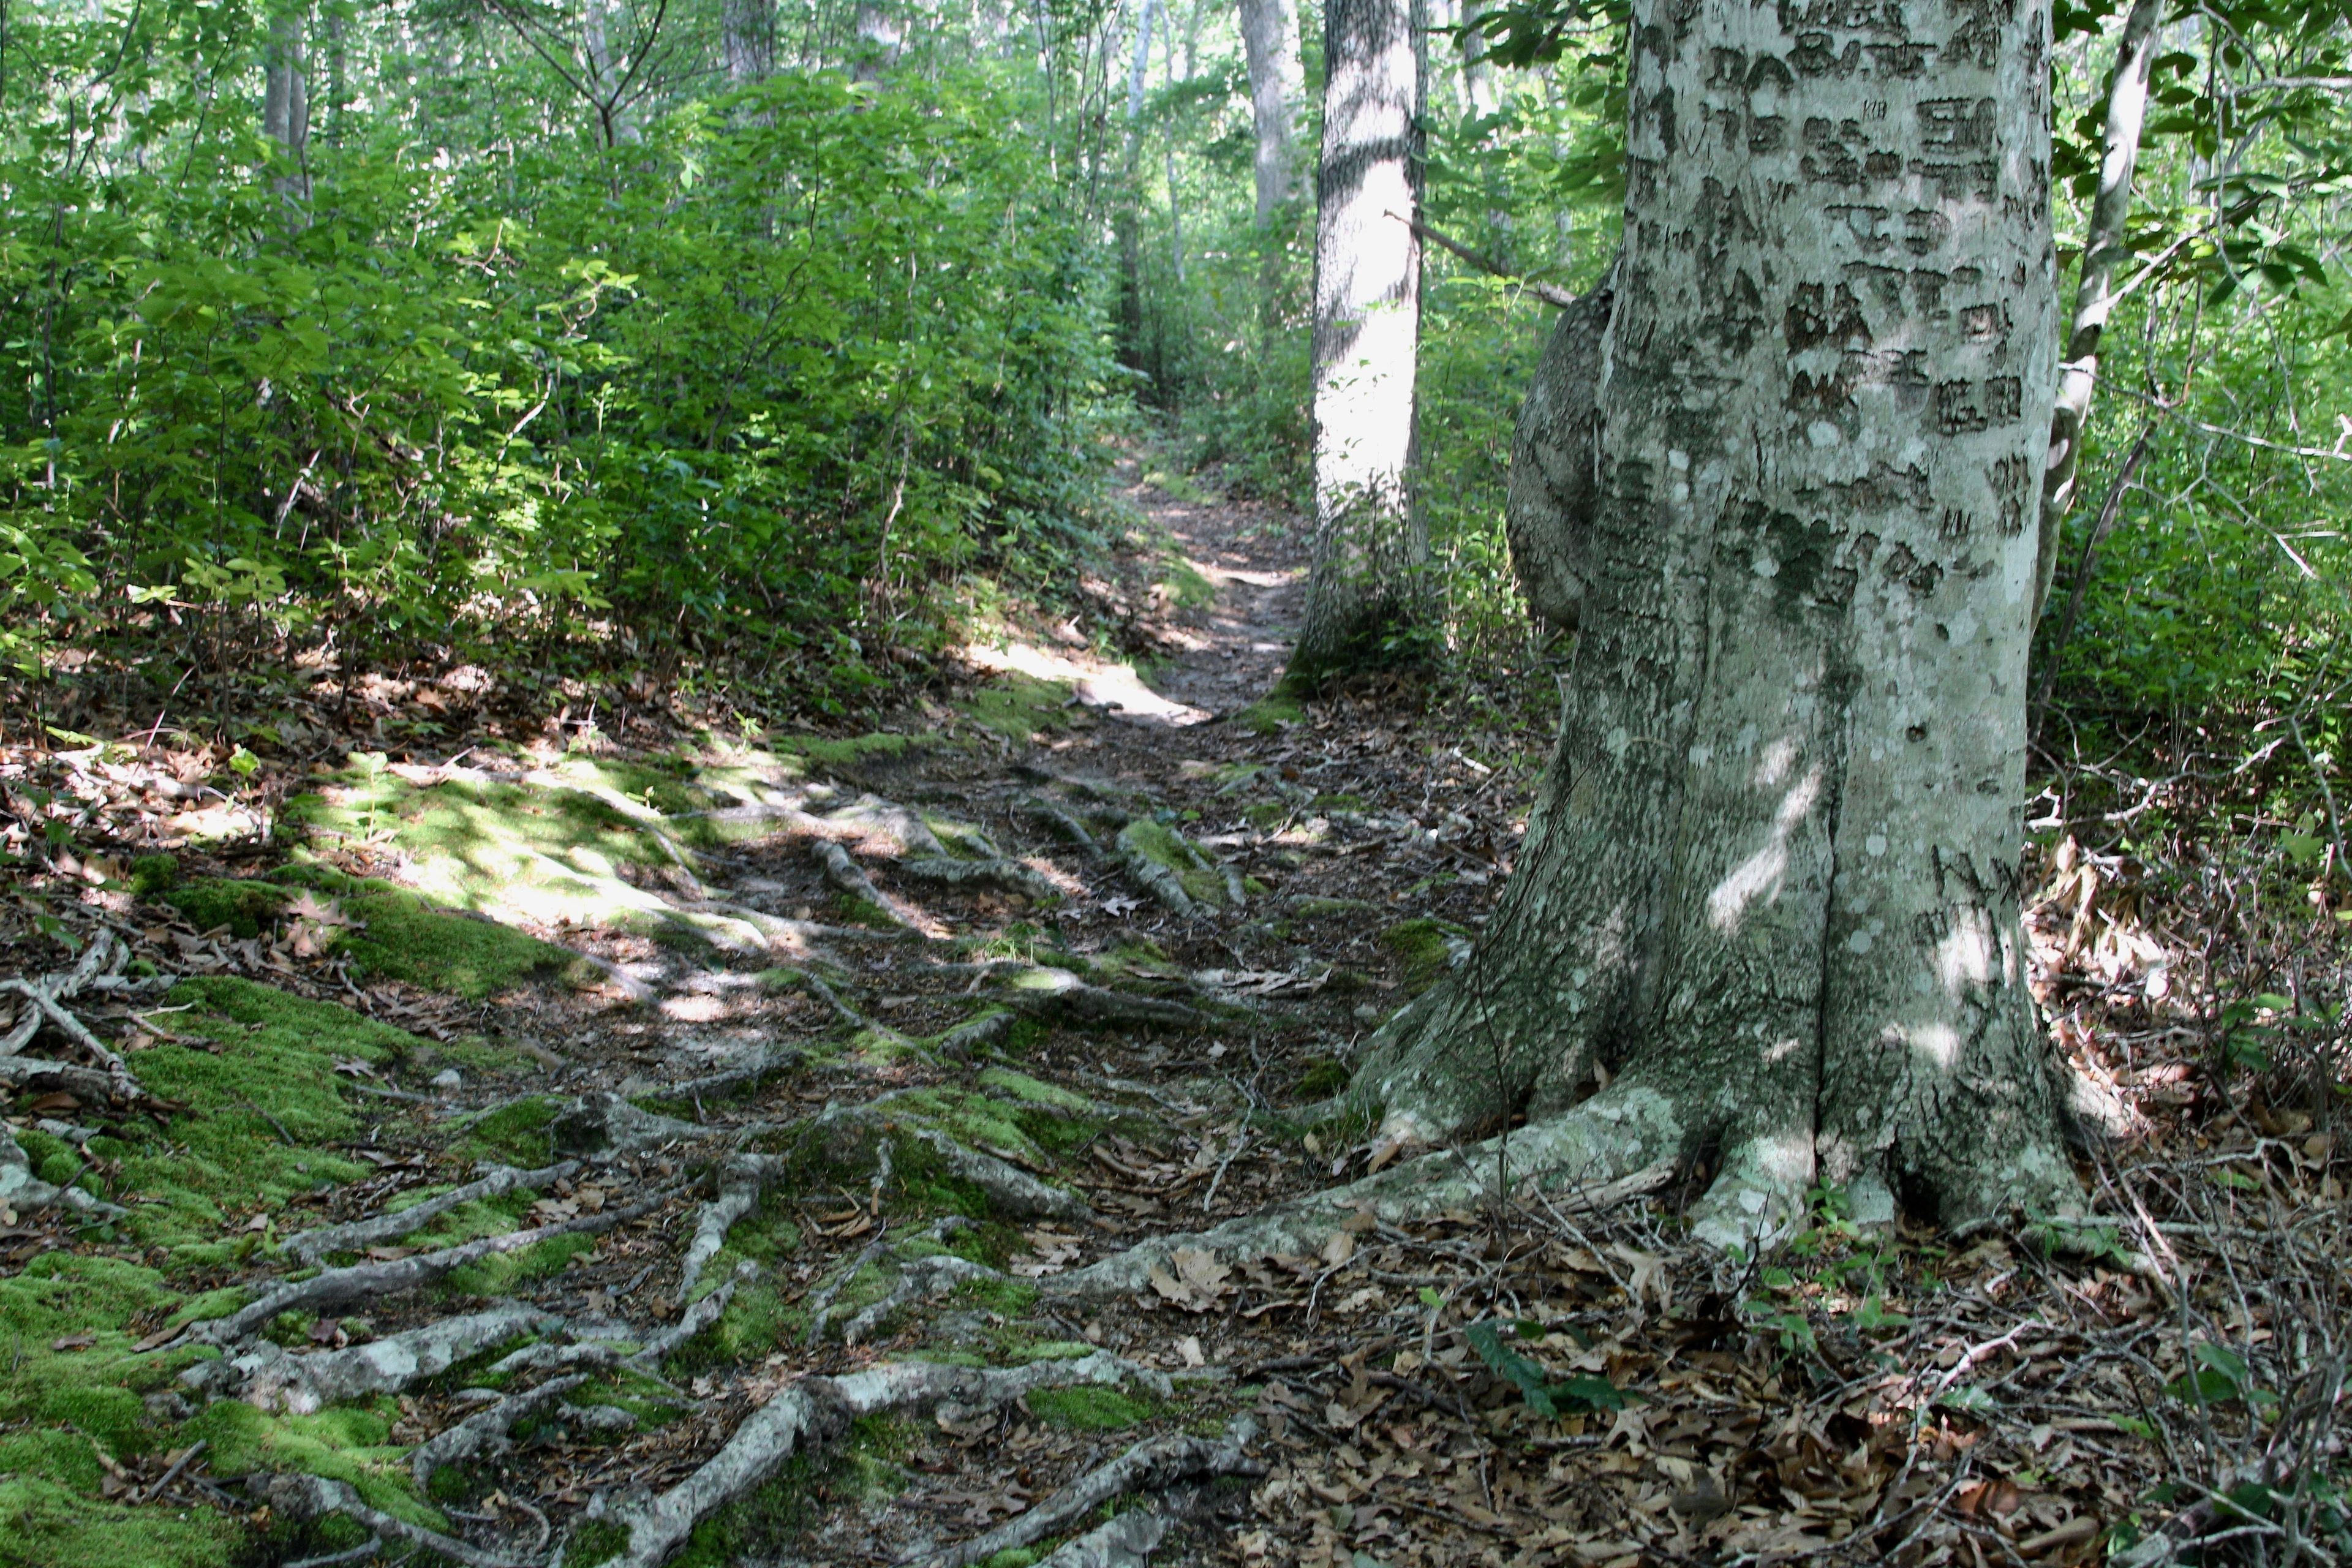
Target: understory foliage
pixel 764 376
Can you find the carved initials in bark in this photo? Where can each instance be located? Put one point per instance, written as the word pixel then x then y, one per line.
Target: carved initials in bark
pixel 1777 476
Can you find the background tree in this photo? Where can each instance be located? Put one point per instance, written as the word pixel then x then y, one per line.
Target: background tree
pixel 1365 589
pixel 1270 41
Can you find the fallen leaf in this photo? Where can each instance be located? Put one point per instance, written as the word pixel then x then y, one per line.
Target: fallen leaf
pixel 74 1343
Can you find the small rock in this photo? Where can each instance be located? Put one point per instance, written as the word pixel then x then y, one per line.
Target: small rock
pixel 167 1408
pixel 1367 1014
pixel 447 1077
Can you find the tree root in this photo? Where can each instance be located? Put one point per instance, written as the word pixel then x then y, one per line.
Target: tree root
pixel 694 1320
pixel 1617 1145
pixel 310 1245
pixel 769 1061
pixel 815 1410
pixel 988 1030
pixel 847 876
pixel 1154 878
pixel 1146 1466
pixel 271 1378
pixel 99 969
pixel 1124 1543
pixel 918 1279
pixel 314 1497
pixel 22 1192
pixel 1007 876
pixel 1063 822
pixel 365 1282
pixel 1008 1188
pixel 1059 996
pixel 745 1178
pixel 484 1433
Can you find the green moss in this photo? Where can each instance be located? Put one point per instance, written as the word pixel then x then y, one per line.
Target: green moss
pixel 1033 1091
pixel 43 1522
pixel 1338 801
pixel 1014 1557
pixel 839 753
pixel 1312 908
pixel 1164 847
pixel 244 907
pixel 1269 714
pixel 1321 1079
pixel 1423 945
pixel 153 873
pixel 1184 586
pixel 516 1133
pixel 596 1541
pixel 1087 1408
pixel 259 1112
pixel 1019 706
pixel 1265 814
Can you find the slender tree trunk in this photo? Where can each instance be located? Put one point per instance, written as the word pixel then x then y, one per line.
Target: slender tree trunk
pixel 748 41
pixel 1477 71
pixel 286 105
pixel 1769 902
pixel 1277 84
pixel 2103 252
pixel 1127 224
pixel 608 76
pixel 880 37
pixel 1364 585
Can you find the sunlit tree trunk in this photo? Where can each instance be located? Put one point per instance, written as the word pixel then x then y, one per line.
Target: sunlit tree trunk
pixel 1364 585
pixel 879 38
pixel 608 74
pixel 2103 252
pixel 286 103
pixel 1477 71
pixel 1767 906
pixel 748 41
pixel 1277 83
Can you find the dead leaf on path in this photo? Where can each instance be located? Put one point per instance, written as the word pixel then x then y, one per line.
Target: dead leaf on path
pixel 1196 1283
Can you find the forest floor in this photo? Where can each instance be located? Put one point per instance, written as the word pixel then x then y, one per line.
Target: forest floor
pixel 452 1135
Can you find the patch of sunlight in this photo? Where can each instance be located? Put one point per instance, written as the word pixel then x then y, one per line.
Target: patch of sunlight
pixel 1096 682
pixel 1758 876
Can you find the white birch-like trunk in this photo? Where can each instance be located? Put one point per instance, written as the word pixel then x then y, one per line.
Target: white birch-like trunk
pixel 1277 84
pixel 1369 543
pixel 748 41
pixel 1477 71
pixel 286 103
pixel 1771 897
pixel 2104 253
pixel 879 38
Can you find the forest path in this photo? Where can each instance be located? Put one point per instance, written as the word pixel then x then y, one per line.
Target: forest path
pixel 734 1090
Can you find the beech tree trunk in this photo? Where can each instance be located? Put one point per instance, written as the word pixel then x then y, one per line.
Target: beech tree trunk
pixel 1364 582
pixel 748 41
pixel 1767 914
pixel 880 39
pixel 1277 83
pixel 286 101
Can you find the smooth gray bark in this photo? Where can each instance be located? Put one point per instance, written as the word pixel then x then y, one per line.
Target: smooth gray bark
pixel 1277 84
pixel 1370 543
pixel 1771 889
pixel 2103 252
pixel 1477 71
pixel 1548 512
pixel 880 35
pixel 747 40
pixel 286 101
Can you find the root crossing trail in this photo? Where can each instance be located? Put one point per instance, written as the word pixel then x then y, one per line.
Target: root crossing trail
pixel 854 1151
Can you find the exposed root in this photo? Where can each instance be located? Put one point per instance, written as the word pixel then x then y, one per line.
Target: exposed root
pixel 1009 1189
pixel 744 1179
pixel 310 1245
pixel 604 1124
pixel 918 1279
pixel 1153 877
pixel 851 880
pixel 1063 822
pixel 484 1433
pixel 362 1282
pixel 815 1409
pixel 273 1378
pixel 984 1033
pixel 695 1319
pixel 21 1192
pixel 1007 876
pixel 314 1497
pixel 99 969
pixel 1124 1543
pixel 770 1059
pixel 1146 1466
pixel 1060 997
pixel 1618 1145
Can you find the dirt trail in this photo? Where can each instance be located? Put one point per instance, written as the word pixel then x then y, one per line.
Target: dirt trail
pixel 706 1178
